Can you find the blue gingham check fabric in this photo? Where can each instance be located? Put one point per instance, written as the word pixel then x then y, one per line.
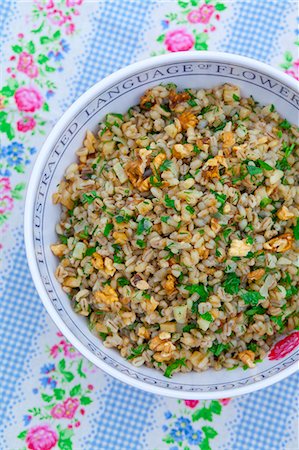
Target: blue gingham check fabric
pixel 265 419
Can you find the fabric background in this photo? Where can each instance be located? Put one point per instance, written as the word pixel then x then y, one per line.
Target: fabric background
pixel 50 397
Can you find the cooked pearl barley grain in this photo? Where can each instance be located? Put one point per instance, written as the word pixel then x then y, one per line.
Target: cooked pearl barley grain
pixel 179 230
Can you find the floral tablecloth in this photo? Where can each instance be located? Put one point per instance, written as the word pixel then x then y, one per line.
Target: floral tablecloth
pixel 50 396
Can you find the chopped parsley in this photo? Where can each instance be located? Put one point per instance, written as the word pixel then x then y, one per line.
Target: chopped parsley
pixel 236 97
pixel 165 219
pixel 272 108
pixel 221 198
pixel 285 125
pixel 252 297
pixel 278 321
pixel 265 202
pixel 125 218
pixel 206 109
pixel 63 239
pixel 108 227
pixel 192 102
pixel 143 226
pixel 90 251
pixel 219 127
pixel 287 149
pixel 207 316
pixel 200 289
pixel 232 283
pixel 123 281
pixel 175 365
pixel 165 165
pixel 217 349
pixel 252 346
pixel 140 243
pixel 190 209
pixel 137 351
pixel 250 240
pixel 103 335
pixel 296 230
pixel 254 170
pixel 169 202
pixel 264 165
pixel 189 327
pixel 196 149
pixel 226 233
pixel 283 164
pixel 89 198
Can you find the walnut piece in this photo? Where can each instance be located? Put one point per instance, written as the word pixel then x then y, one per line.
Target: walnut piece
pixel 97 261
pixel 280 243
pixel 187 120
pixel 256 274
pixel 181 151
pixel 177 97
pixel 169 285
pixel 247 357
pixel 108 295
pixel 58 249
pixel 284 213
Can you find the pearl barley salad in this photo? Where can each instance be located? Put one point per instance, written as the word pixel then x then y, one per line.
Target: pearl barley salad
pixel 180 230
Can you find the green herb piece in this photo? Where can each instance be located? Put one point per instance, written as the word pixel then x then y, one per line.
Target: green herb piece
pixel 272 108
pixel 192 102
pixel 264 165
pixel 166 108
pixel 108 227
pixel 292 290
pixel 226 233
pixel 169 203
pixel 250 240
pixel 217 253
pixel 206 109
pixel 196 149
pixel 296 230
pixel 117 259
pixel 175 365
pixel 137 351
pixel 94 230
pixel 231 284
pixel 63 239
pixel 84 234
pixel 165 165
pixel 119 116
pixel 217 348
pixel 165 219
pixel 121 219
pixel 283 164
pixel 252 346
pixel 189 327
pixel 285 125
pixel 103 335
pixel 143 226
pixel 221 198
pixel 140 243
pixel 287 149
pixel 236 97
pixel 219 127
pixel 265 202
pixel 90 251
pixel 252 297
pixel 254 170
pixel 278 321
pixel 123 281
pixel 181 277
pixel 200 289
pixel 190 209
pixel 207 316
pixel 89 198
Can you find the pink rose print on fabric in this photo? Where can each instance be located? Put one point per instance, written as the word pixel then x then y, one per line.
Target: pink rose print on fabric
pixel 71 3
pixel 194 16
pixel 26 65
pixel 71 405
pixel 294 72
pixel 4 185
pixel 69 351
pixel 179 40
pixel 225 401
pixel 6 204
pixel 285 346
pixel 58 411
pixel 70 28
pixel 28 99
pixel 41 4
pixel 191 403
pixel 41 437
pixel 26 124
pixel 206 12
pixel 56 17
pixel 54 350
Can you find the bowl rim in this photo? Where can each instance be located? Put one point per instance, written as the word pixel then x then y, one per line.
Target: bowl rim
pixel 191 56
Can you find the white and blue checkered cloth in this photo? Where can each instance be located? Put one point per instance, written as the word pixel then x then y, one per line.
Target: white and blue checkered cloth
pixel 261 425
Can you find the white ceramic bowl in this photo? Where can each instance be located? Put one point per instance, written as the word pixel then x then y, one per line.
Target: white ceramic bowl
pixel 117 93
